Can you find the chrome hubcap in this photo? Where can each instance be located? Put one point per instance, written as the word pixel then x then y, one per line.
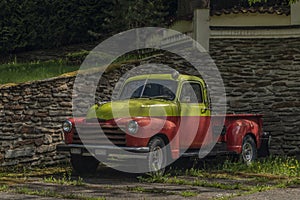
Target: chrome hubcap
pixel 156 159
pixel 247 152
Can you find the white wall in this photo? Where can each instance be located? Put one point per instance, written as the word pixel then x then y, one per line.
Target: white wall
pixel 250 19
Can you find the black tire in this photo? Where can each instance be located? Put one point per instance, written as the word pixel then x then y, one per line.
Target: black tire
pixel 84 164
pixel 157 158
pixel 249 150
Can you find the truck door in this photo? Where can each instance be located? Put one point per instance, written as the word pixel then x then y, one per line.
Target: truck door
pixel 195 115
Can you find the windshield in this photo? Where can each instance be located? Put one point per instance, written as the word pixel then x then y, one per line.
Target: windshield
pixel 149 88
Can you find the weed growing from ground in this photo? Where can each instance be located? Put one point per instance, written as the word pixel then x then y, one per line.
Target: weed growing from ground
pixel 65 180
pixel 283 166
pixel 47 193
pixel 188 194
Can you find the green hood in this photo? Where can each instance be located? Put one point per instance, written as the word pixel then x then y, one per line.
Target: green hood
pixel 132 108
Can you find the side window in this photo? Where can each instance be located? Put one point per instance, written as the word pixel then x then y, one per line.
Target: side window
pixel 191 93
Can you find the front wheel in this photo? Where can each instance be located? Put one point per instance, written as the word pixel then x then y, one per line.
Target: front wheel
pixel 157 158
pixel 84 164
pixel 249 150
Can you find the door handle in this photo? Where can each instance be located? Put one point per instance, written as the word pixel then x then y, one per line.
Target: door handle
pixel 203 110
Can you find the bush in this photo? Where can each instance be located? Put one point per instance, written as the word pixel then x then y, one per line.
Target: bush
pixel 33 24
pixel 40 24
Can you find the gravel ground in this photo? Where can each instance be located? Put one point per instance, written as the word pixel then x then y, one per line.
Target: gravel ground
pixel 277 194
pixel 111 185
pixel 12 196
pixel 205 193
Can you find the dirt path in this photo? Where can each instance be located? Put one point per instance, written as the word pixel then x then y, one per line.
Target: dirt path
pixel 116 193
pixel 111 184
pixel 277 194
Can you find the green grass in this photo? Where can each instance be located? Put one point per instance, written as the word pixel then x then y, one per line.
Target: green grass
pixel 3 188
pixel 48 193
pixel 65 180
pixel 197 182
pixel 188 194
pixel 19 174
pixel 275 166
pixel 136 189
pixel 139 189
pixel 243 179
pixel 10 178
pixel 279 166
pixel 15 72
pixel 23 72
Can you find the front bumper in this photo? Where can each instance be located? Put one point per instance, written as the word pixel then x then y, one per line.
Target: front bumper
pixel 102 150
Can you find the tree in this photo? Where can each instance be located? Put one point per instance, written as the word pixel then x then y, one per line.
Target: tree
pixel 127 14
pixel 146 13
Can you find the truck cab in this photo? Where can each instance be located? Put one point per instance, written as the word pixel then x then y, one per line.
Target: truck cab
pixel 162 117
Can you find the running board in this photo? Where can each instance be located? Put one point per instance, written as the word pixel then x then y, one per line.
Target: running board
pixel 219 149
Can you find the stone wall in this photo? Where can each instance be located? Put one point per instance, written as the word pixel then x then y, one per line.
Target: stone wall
pixel 30 118
pixel 261 76
pixel 31 115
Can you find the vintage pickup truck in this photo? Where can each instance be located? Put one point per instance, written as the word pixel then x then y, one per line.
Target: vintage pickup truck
pixel 162 116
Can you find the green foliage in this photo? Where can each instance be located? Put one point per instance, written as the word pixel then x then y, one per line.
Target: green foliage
pixel 15 72
pixel 127 14
pixel 49 193
pixel 263 175
pixel 3 188
pixel 188 194
pixel 284 166
pixel 22 72
pixel 153 13
pixel 196 182
pixel 76 58
pixel 65 180
pixel 48 23
pixel 35 24
pixel 271 166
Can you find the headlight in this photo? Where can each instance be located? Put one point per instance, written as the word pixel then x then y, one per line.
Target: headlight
pixel 133 127
pixel 67 126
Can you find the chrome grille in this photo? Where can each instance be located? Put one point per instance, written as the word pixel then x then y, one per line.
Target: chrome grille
pixel 92 135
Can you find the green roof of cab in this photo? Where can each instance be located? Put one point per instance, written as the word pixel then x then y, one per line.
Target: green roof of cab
pixel 180 78
pixel 138 107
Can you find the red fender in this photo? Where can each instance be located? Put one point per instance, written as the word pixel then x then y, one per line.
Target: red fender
pixel 69 136
pixel 236 132
pixel 149 127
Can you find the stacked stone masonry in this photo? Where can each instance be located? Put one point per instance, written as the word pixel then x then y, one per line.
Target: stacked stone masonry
pixel 260 76
pixel 263 76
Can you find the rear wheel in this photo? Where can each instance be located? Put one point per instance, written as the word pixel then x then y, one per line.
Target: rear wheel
pixel 249 150
pixel 84 164
pixel 157 158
